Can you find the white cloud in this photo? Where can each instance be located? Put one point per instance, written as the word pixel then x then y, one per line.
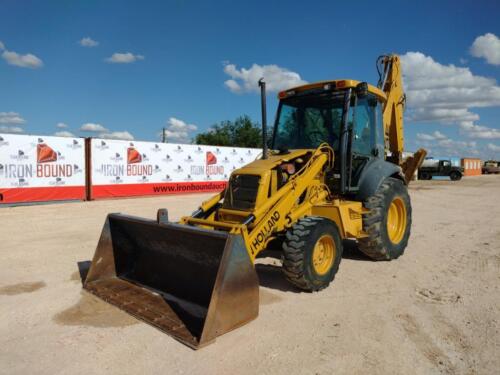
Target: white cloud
pixel 442 145
pixel 12 118
pixel 445 94
pixel 424 137
pixel 493 147
pixel 478 131
pixel 123 135
pixel 441 115
pixel 487 46
pixel 11 129
pixel 105 133
pixel 24 61
pixel 452 144
pixel 178 130
pixel 61 125
pixel 64 133
pixel 124 58
pixel 88 42
pixel 232 85
pixel 437 135
pixel 90 127
pixel 246 80
pixel 176 124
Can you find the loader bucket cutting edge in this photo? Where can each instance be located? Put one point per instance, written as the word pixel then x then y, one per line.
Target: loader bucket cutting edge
pixel 194 284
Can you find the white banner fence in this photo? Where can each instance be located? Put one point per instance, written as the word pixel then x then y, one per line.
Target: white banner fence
pixel 45 168
pixel 40 168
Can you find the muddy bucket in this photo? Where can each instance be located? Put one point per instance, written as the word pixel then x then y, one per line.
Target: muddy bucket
pixel 194 284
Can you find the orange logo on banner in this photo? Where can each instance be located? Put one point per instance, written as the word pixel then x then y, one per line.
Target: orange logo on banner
pixel 45 154
pixel 211 158
pixel 133 156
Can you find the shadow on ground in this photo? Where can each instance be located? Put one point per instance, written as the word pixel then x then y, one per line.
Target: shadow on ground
pixel 270 275
pixel 351 251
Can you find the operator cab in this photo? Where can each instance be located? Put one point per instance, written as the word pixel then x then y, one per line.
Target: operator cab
pixel 345 114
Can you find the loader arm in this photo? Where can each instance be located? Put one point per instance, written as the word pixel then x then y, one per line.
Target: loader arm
pixel 281 209
pixel 277 216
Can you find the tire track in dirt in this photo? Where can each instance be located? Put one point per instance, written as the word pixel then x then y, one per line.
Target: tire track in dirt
pixel 425 344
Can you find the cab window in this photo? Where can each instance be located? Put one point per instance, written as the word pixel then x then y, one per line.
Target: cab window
pixel 366 121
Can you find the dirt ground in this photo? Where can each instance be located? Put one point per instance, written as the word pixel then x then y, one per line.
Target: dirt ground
pixel 434 310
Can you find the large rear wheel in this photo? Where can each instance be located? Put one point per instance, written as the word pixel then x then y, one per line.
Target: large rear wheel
pixel 312 251
pixel 388 223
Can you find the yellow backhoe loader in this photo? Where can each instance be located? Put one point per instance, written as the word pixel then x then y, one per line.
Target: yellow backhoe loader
pixel 334 171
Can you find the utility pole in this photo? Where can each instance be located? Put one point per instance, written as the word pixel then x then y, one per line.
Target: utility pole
pixel 164 136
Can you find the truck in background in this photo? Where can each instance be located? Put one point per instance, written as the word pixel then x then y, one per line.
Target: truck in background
pixel 491 166
pixel 439 167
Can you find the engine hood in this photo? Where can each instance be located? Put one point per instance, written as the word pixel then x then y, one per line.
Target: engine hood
pixel 260 166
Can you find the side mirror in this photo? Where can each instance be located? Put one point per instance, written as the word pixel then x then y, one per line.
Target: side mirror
pixel 362 89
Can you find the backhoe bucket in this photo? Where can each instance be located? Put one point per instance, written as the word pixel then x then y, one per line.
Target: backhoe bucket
pixel 194 284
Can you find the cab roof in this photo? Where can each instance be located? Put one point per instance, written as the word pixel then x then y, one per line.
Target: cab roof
pixel 335 84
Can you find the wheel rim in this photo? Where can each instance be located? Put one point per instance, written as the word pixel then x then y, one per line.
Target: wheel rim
pixel 323 254
pixel 396 220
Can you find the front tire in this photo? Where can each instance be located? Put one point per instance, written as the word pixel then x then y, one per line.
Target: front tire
pixel 455 176
pixel 312 251
pixel 388 223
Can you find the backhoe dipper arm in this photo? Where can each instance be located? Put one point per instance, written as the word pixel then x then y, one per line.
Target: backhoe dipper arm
pixel 391 82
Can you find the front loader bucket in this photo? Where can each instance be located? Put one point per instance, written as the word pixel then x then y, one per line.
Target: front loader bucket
pixel 194 284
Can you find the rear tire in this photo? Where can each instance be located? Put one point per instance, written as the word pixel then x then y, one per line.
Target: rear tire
pixel 312 251
pixel 389 222
pixel 424 176
pixel 455 176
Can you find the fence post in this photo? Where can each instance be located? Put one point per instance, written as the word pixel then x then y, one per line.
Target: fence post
pixel 88 169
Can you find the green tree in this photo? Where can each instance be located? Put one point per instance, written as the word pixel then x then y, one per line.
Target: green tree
pixel 242 132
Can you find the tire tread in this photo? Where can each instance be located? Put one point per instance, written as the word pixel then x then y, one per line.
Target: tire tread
pixel 373 246
pixel 296 239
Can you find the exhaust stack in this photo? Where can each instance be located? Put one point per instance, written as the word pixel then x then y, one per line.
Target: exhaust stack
pixel 262 85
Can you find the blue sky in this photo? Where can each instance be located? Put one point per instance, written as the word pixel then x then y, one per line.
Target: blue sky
pixel 167 63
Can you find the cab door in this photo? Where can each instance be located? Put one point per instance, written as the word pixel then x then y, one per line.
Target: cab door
pixel 445 166
pixel 366 136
